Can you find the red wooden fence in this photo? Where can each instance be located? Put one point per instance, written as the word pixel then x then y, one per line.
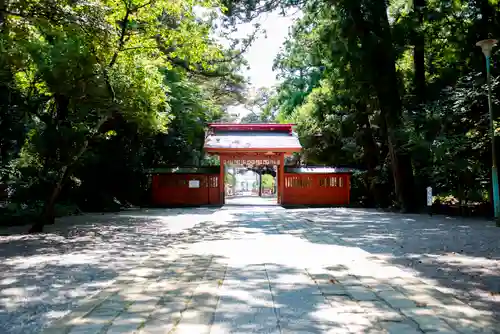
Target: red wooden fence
pixel 316 189
pixel 299 189
pixel 173 189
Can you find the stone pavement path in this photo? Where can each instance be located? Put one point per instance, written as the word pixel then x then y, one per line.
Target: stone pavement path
pixel 270 270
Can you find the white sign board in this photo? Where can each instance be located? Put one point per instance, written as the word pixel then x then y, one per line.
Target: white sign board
pixel 429 196
pixel 194 183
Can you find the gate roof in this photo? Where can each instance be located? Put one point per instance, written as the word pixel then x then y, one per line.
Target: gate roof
pixel 251 138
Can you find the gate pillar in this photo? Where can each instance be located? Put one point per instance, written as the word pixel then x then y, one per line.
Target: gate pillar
pixel 222 190
pixel 281 178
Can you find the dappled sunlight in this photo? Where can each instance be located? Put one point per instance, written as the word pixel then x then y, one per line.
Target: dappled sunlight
pixel 485 266
pixel 289 250
pixel 45 276
pixel 460 256
pixel 267 298
pixel 457 257
pixel 258 269
pixel 250 201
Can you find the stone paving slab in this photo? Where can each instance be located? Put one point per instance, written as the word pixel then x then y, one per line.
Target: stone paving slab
pixel 263 272
pixel 173 294
pixel 300 306
pixel 246 303
pixel 127 305
pixel 134 277
pixel 200 312
pixel 424 307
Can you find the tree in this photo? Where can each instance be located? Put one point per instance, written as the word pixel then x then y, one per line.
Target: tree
pixel 364 87
pixel 267 181
pixel 95 65
pixel 395 89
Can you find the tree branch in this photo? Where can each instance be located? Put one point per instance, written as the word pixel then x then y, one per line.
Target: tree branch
pixel 142 6
pixel 237 55
pixel 105 74
pixel 140 47
pixel 186 66
pixel 121 41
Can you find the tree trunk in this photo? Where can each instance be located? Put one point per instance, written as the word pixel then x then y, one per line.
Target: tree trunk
pixel 378 55
pixel 386 189
pixel 419 52
pixel 391 106
pixel 48 216
pixel 425 160
pixel 62 107
pixel 485 26
pixel 370 152
pixel 3 17
pixel 260 184
pixel 460 197
pixel 233 180
pixel 402 172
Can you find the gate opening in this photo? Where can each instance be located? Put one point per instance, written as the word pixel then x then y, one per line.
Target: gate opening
pixel 250 184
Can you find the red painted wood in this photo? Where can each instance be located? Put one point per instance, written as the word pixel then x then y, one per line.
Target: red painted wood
pixel 251 127
pixel 251 158
pixel 213 189
pixel 173 189
pixel 281 179
pixel 313 189
pixel 231 151
pixel 222 193
pixel 316 189
pixel 251 154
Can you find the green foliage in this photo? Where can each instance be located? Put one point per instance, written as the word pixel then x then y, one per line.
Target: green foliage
pixel 22 214
pixel 229 178
pixel 94 93
pixel 333 66
pixel 267 181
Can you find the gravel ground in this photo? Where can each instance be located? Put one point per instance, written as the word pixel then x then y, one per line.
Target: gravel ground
pixel 44 276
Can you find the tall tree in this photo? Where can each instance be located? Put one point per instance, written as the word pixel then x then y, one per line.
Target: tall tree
pixel 97 64
pixel 419 9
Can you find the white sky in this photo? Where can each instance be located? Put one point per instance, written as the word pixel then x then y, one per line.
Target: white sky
pixel 260 55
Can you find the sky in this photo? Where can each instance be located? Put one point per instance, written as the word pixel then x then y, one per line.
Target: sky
pixel 260 55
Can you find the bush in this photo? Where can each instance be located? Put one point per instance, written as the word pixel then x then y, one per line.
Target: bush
pixel 359 188
pixel 16 214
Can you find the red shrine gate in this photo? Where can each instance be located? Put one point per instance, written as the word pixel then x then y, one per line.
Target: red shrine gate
pixel 251 145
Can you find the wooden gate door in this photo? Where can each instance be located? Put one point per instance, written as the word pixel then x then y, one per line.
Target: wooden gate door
pixel 213 189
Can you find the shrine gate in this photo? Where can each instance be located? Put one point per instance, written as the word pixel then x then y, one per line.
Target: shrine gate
pixel 251 145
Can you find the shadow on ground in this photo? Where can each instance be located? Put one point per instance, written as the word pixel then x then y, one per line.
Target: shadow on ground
pixel 46 275
pixel 257 298
pixel 458 253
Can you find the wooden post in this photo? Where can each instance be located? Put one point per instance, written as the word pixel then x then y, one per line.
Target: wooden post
pixel 260 184
pixel 281 179
pixel 221 179
pixel 348 185
pixel 233 182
